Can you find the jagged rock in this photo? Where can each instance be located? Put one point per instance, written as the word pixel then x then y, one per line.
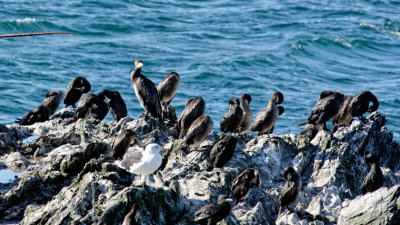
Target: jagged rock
pixel 379 207
pixel 75 182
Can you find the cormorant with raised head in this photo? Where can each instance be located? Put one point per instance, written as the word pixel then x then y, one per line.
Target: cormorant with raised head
pixel 146 92
pixel 75 89
pixel 247 117
pixel 265 120
pixel 194 108
pixel 232 119
pixel 374 179
pixel 168 87
pixel 116 104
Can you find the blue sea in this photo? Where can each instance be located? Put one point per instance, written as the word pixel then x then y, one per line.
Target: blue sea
pixel 221 49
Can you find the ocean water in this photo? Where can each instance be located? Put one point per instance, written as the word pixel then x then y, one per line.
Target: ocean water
pixel 221 49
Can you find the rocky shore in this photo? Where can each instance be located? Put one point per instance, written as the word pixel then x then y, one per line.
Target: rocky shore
pixel 65 176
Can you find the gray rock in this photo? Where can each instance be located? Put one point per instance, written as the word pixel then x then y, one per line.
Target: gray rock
pixel 69 178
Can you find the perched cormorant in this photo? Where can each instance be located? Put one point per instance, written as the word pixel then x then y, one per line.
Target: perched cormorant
pixel 132 217
pixel 291 188
pixel 122 142
pixel 243 184
pixel 247 117
pixel 146 92
pixel 326 107
pixel 360 103
pixel 142 163
pixel 374 180
pixel 52 101
pixel 92 104
pixel 211 214
pixel 222 152
pixel 198 131
pixel 38 114
pixel 194 108
pixel 75 89
pixel 343 117
pixel 265 120
pixel 116 104
pixel 168 87
pixel 232 119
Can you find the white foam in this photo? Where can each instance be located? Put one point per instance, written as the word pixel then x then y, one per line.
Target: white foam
pixel 26 20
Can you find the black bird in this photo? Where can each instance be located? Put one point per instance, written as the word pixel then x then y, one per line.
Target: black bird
pixel 247 117
pixel 232 119
pixel 374 179
pixel 132 217
pixel 92 105
pixel 168 87
pixel 211 214
pixel 326 107
pixel 146 92
pixel 265 120
pixel 52 101
pixel 222 152
pixel 243 184
pixel 343 117
pixel 122 142
pixel 38 114
pixel 75 89
pixel 194 108
pixel 198 131
pixel 116 104
pixel 360 104
pixel 291 189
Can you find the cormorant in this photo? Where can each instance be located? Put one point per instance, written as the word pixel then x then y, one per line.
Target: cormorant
pixel 326 107
pixel 92 104
pixel 52 101
pixel 247 117
pixel 168 87
pixel 38 114
pixel 343 117
pixel 374 179
pixel 360 103
pixel 222 152
pixel 122 142
pixel 75 89
pixel 291 189
pixel 211 214
pixel 146 92
pixel 116 104
pixel 194 108
pixel 243 184
pixel 265 120
pixel 232 119
pixel 198 131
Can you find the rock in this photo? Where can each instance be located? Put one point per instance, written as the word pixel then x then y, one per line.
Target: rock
pixel 379 207
pixel 69 178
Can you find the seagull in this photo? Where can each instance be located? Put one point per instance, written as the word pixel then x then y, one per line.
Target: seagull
pixel 142 163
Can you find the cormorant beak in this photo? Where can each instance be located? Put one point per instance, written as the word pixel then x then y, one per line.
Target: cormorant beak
pixel 90 109
pixel 139 65
pixel 259 185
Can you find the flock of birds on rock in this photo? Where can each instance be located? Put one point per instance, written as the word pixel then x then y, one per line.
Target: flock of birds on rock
pixel 194 127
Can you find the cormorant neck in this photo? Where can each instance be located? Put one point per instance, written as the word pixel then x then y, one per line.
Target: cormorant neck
pixel 136 72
